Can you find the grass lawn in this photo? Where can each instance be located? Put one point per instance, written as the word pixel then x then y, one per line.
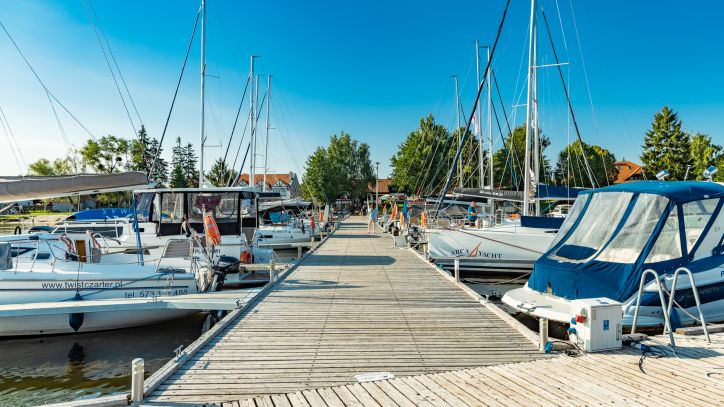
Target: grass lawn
pixel 31 214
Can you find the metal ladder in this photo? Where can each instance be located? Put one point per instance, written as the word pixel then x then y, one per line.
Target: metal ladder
pixel 667 311
pixel 695 290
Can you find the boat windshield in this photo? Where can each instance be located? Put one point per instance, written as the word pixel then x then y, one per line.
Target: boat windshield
pixel 697 215
pixel 627 245
pixel 595 228
pixel 572 217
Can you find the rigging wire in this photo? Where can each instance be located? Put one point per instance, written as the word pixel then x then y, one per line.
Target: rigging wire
pixel 568 99
pixel 8 134
pixel 108 63
pixel 175 94
pixel 469 121
pixel 48 93
pixel 113 58
pixel 236 120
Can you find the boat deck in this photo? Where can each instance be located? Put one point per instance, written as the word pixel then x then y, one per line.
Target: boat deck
pixel 356 306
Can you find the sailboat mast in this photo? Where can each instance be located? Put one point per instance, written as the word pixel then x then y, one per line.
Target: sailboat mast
pixel 457 110
pixel 536 132
pixel 490 122
pixel 266 141
pixel 481 167
pixel 203 86
pixel 529 110
pixel 252 99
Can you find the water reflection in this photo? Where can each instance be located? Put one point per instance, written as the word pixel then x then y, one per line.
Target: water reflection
pixel 70 367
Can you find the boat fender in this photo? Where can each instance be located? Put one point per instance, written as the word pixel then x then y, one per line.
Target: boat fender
pixel 212 230
pixel 75 319
pixel 246 257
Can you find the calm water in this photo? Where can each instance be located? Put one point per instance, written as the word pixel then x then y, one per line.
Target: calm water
pixel 70 367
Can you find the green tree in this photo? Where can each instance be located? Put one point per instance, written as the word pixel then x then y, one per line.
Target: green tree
pixel 141 156
pixel 343 168
pixel 666 146
pixel 703 155
pixel 159 172
pixel 189 163
pixel 421 159
pixel 178 178
pixel 571 170
pixel 105 155
pixel 509 160
pixel 220 173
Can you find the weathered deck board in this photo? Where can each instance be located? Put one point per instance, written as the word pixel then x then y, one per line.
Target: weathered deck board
pixel 695 378
pixel 357 305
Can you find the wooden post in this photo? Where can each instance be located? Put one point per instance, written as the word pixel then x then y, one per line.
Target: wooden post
pixel 456 267
pixel 137 373
pixel 272 271
pixel 299 253
pixel 542 334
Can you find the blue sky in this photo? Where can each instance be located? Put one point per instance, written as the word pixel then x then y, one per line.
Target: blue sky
pixel 370 68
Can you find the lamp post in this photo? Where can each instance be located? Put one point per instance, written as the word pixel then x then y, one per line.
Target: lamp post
pixel 377 185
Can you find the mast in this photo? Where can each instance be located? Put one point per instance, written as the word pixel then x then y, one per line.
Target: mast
pixel 529 110
pixel 460 136
pixel 203 85
pixel 536 132
pixel 252 99
pixel 490 121
pixel 481 167
pixel 266 141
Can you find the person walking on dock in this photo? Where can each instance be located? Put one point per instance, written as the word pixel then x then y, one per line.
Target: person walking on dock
pixel 372 221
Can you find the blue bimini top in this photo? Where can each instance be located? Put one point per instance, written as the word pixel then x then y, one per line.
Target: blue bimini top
pixel 613 234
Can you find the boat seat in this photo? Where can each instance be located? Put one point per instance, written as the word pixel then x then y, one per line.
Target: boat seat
pixel 178 248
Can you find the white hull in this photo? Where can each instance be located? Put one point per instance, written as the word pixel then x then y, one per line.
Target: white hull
pixel 709 284
pixel 504 249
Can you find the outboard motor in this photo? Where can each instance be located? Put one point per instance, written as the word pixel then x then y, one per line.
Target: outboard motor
pixel 225 265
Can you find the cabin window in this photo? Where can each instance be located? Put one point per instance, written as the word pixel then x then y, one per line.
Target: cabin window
pixel 172 208
pixel 668 244
pixel 696 216
pixel 143 206
pixel 627 245
pixel 224 206
pixel 597 224
pixel 573 214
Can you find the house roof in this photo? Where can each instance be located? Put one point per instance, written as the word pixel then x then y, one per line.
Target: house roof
pixel 626 170
pixel 271 179
pixel 383 184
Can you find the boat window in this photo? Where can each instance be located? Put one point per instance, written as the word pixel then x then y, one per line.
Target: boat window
pixel 667 246
pixel 172 207
pixel 597 225
pixel 696 216
pixel 143 206
pixel 573 214
pixel 224 206
pixel 627 245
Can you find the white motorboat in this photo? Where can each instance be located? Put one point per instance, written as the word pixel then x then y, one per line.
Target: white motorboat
pixel 614 234
pixel 43 269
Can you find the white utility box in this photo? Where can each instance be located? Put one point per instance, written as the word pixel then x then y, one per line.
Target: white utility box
pixel 598 323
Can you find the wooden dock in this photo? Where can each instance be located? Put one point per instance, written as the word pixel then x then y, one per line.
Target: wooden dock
pixel 355 306
pixel 694 377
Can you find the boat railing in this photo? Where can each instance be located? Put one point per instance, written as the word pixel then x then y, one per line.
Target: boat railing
pixel 695 290
pixel 667 322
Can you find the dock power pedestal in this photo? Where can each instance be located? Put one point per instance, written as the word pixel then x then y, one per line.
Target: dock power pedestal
pixel 596 324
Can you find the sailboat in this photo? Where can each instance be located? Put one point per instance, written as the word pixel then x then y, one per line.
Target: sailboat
pixel 500 244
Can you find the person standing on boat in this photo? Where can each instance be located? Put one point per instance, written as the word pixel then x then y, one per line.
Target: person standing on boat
pixel 372 218
pixel 472 213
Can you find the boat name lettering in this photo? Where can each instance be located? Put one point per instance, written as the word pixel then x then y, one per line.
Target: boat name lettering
pixel 478 253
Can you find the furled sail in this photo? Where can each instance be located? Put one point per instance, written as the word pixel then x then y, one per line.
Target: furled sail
pixel 27 188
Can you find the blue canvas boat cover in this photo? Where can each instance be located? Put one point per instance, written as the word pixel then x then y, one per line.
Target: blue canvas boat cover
pixel 100 214
pixel 571 269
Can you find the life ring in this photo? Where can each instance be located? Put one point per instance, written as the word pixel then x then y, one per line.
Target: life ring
pixel 245 257
pixel 212 231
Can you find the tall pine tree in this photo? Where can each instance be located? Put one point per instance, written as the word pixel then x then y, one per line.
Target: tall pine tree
pixel 189 162
pixel 666 146
pixel 178 178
